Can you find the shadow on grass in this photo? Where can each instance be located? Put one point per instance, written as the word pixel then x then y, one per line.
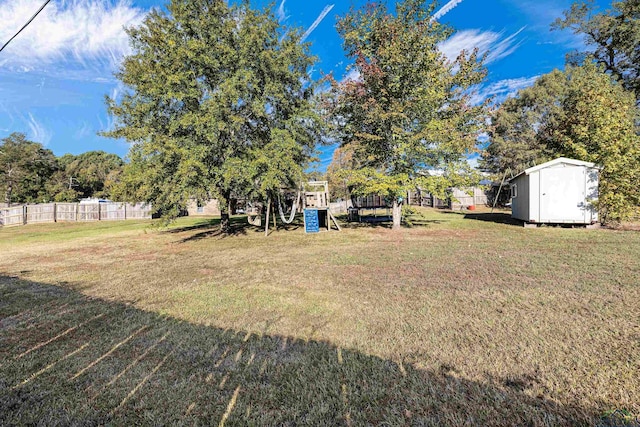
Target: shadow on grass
pixel 497 217
pixel 210 228
pixel 364 224
pixel 69 359
pixel 379 222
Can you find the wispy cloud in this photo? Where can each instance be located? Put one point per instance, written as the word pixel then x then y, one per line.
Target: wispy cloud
pixel 318 20
pixel 106 125
pixel 541 13
pixel 495 45
pixel 281 14
pixel 84 131
pixel 502 89
pixel 6 113
pixel 37 131
pixel 445 9
pixel 88 33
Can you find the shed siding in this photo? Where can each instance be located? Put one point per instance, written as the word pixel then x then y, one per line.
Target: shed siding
pixel 520 204
pixel 592 192
pixel 560 191
pixel 534 197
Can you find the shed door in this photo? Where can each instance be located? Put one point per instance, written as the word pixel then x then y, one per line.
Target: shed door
pixel 562 196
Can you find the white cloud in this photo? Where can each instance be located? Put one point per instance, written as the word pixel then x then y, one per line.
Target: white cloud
pixel 541 13
pixel 502 89
pixel 353 74
pixel 115 92
pixel 6 112
pixel 495 45
pixel 106 125
pixel 38 133
pixel 317 22
pixel 84 131
pixel 281 14
pixel 445 9
pixel 86 32
pixel 473 162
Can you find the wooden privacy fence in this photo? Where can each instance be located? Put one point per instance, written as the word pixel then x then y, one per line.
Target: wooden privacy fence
pixel 59 212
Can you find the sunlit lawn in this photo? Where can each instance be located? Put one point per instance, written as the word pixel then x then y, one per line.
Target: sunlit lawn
pixel 452 321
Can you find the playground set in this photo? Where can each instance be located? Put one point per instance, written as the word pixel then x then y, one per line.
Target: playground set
pixel 311 199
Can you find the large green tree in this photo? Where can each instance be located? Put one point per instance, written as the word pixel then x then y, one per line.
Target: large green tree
pixel 582 113
pixel 409 109
pixel 90 174
pixel 612 38
pixel 597 122
pixel 341 160
pixel 218 103
pixel 25 168
pixel 518 126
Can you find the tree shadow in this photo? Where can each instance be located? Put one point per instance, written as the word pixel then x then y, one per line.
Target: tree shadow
pixel 234 230
pixel 69 359
pixel 497 217
pixel 210 228
pixel 411 221
pixel 365 224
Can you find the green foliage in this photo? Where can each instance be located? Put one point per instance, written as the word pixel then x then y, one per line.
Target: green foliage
pixel 409 110
pixel 338 182
pixel 612 38
pixel 518 126
pixel 582 113
pixel 218 102
pixel 597 122
pixel 25 167
pixel 90 174
pixel 455 175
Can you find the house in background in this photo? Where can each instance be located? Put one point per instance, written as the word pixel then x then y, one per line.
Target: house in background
pixel 557 192
pixel 210 208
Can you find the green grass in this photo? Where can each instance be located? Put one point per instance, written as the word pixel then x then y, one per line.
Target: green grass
pixel 453 320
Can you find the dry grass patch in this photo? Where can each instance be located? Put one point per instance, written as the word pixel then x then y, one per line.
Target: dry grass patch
pixel 454 320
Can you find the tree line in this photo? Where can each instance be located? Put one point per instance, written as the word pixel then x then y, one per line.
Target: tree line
pixel 30 173
pixel 219 102
pixel 588 111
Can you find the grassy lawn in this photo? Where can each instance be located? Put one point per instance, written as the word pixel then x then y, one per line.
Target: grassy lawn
pixel 455 320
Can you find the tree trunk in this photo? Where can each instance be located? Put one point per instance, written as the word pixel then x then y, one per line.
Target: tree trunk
pixel 225 223
pixel 8 193
pixel 275 225
pixel 266 222
pixel 397 214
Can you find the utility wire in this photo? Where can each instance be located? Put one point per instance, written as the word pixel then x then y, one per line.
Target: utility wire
pixel 25 25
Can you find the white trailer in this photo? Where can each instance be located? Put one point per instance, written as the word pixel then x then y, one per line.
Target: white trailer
pixel 561 191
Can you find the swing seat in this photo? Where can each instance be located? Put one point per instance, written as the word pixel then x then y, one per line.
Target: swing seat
pixel 254 217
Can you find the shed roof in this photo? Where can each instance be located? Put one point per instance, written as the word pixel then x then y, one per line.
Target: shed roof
pixel 556 162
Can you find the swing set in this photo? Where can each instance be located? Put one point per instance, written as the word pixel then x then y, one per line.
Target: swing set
pixel 312 200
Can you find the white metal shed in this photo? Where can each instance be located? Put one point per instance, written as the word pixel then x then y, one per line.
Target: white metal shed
pixel 557 192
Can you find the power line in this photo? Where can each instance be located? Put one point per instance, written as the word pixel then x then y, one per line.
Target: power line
pixel 25 25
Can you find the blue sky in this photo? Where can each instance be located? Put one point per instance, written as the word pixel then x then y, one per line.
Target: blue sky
pixel 55 75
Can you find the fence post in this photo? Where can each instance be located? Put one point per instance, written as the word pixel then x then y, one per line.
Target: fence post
pixel 99 212
pixel 24 214
pixel 55 212
pixel 125 211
